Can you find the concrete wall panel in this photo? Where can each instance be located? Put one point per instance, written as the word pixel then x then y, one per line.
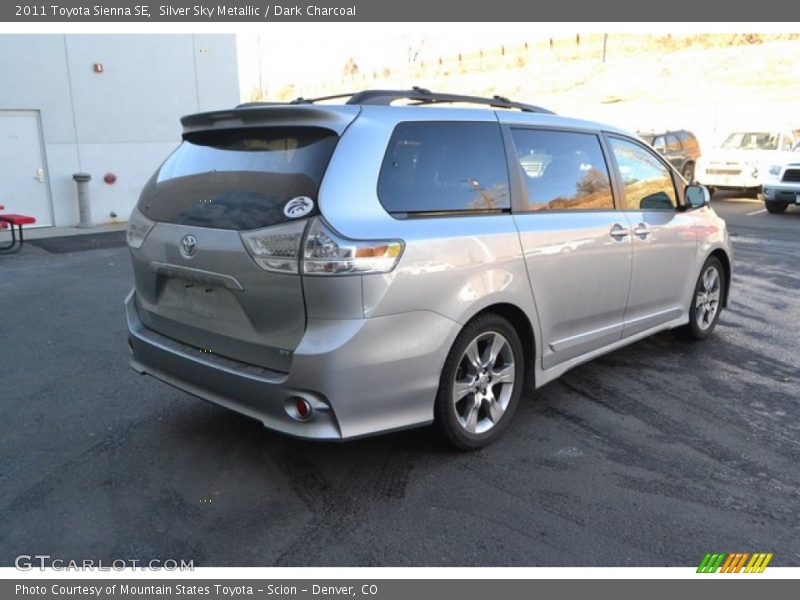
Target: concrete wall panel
pixel 124 120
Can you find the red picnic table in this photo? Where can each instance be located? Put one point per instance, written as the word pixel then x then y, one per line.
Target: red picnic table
pixel 10 220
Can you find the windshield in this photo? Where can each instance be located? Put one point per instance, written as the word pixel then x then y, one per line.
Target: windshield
pixel 752 140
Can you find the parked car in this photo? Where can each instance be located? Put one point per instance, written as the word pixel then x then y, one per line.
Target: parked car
pixel 782 183
pixel 339 270
pixel 742 161
pixel 679 147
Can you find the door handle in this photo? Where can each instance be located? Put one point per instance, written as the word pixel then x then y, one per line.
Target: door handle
pixel 39 175
pixel 642 231
pixel 618 232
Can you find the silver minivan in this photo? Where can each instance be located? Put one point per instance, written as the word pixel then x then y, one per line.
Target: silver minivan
pixel 340 270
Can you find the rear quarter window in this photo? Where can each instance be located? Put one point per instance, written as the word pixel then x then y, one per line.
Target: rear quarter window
pixel 238 179
pixel 444 167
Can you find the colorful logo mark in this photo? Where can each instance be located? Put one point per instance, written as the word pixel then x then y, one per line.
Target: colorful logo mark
pixel 735 562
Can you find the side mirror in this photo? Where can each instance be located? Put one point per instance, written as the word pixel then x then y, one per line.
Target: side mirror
pixel 696 196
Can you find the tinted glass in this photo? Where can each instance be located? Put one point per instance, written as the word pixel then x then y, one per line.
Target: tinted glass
pixel 659 143
pixel 752 140
pixel 673 145
pixel 563 170
pixel 647 181
pixel 444 167
pixel 238 179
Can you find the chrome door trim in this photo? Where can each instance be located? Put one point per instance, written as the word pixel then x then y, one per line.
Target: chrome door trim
pixel 196 275
pixel 633 326
pixel 643 231
pixel 619 232
pixel 582 338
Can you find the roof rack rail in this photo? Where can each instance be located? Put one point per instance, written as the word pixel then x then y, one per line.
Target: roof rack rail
pixel 302 100
pixel 298 100
pixel 259 103
pixel 423 96
pixel 418 96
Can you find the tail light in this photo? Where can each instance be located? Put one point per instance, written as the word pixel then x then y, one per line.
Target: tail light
pixel 276 248
pixel 138 228
pixel 298 408
pixel 325 252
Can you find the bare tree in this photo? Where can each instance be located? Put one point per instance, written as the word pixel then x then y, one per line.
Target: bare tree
pixel 350 67
pixel 415 43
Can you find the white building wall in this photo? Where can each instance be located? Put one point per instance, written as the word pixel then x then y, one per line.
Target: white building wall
pixel 124 120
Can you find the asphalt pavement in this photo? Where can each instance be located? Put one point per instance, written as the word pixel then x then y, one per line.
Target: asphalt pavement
pixel 650 456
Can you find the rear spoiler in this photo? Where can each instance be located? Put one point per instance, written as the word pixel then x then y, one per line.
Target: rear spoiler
pixel 336 118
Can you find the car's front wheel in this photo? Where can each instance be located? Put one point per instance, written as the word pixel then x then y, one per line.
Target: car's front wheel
pixel 481 383
pixel 707 301
pixel 776 208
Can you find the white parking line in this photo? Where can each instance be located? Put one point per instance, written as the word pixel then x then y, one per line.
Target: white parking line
pixel 756 212
pixel 739 200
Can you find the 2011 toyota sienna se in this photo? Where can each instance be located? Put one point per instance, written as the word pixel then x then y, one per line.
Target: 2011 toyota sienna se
pixel 339 270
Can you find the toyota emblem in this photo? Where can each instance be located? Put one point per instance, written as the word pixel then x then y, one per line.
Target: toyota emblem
pixel 188 246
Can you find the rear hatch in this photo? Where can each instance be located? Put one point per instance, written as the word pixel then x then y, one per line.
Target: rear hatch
pixel 237 174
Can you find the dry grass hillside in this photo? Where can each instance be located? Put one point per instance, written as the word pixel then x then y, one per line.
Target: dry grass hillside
pixel 706 83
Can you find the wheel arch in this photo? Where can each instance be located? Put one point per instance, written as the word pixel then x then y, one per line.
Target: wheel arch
pixel 524 328
pixel 723 258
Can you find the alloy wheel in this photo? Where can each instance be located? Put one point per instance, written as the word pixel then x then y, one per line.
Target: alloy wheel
pixel 707 298
pixel 484 382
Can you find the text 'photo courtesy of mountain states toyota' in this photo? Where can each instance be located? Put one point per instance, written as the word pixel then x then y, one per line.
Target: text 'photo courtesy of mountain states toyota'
pixel 341 270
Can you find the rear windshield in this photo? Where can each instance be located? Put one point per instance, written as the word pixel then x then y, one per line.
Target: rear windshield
pixel 239 179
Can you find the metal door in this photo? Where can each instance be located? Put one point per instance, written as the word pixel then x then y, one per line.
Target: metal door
pixel 664 238
pixel 23 175
pixel 577 245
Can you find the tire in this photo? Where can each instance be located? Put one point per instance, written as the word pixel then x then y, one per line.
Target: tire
pixel 706 303
pixel 473 405
pixel 688 172
pixel 776 208
pixel 753 192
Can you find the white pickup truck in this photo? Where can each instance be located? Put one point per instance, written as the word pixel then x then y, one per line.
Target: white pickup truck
pixel 743 160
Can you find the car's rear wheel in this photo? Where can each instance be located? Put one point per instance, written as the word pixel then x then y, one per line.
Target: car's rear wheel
pixel 707 300
pixel 481 383
pixel 776 208
pixel 753 192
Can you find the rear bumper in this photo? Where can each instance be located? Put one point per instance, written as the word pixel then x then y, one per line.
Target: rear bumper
pixel 361 376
